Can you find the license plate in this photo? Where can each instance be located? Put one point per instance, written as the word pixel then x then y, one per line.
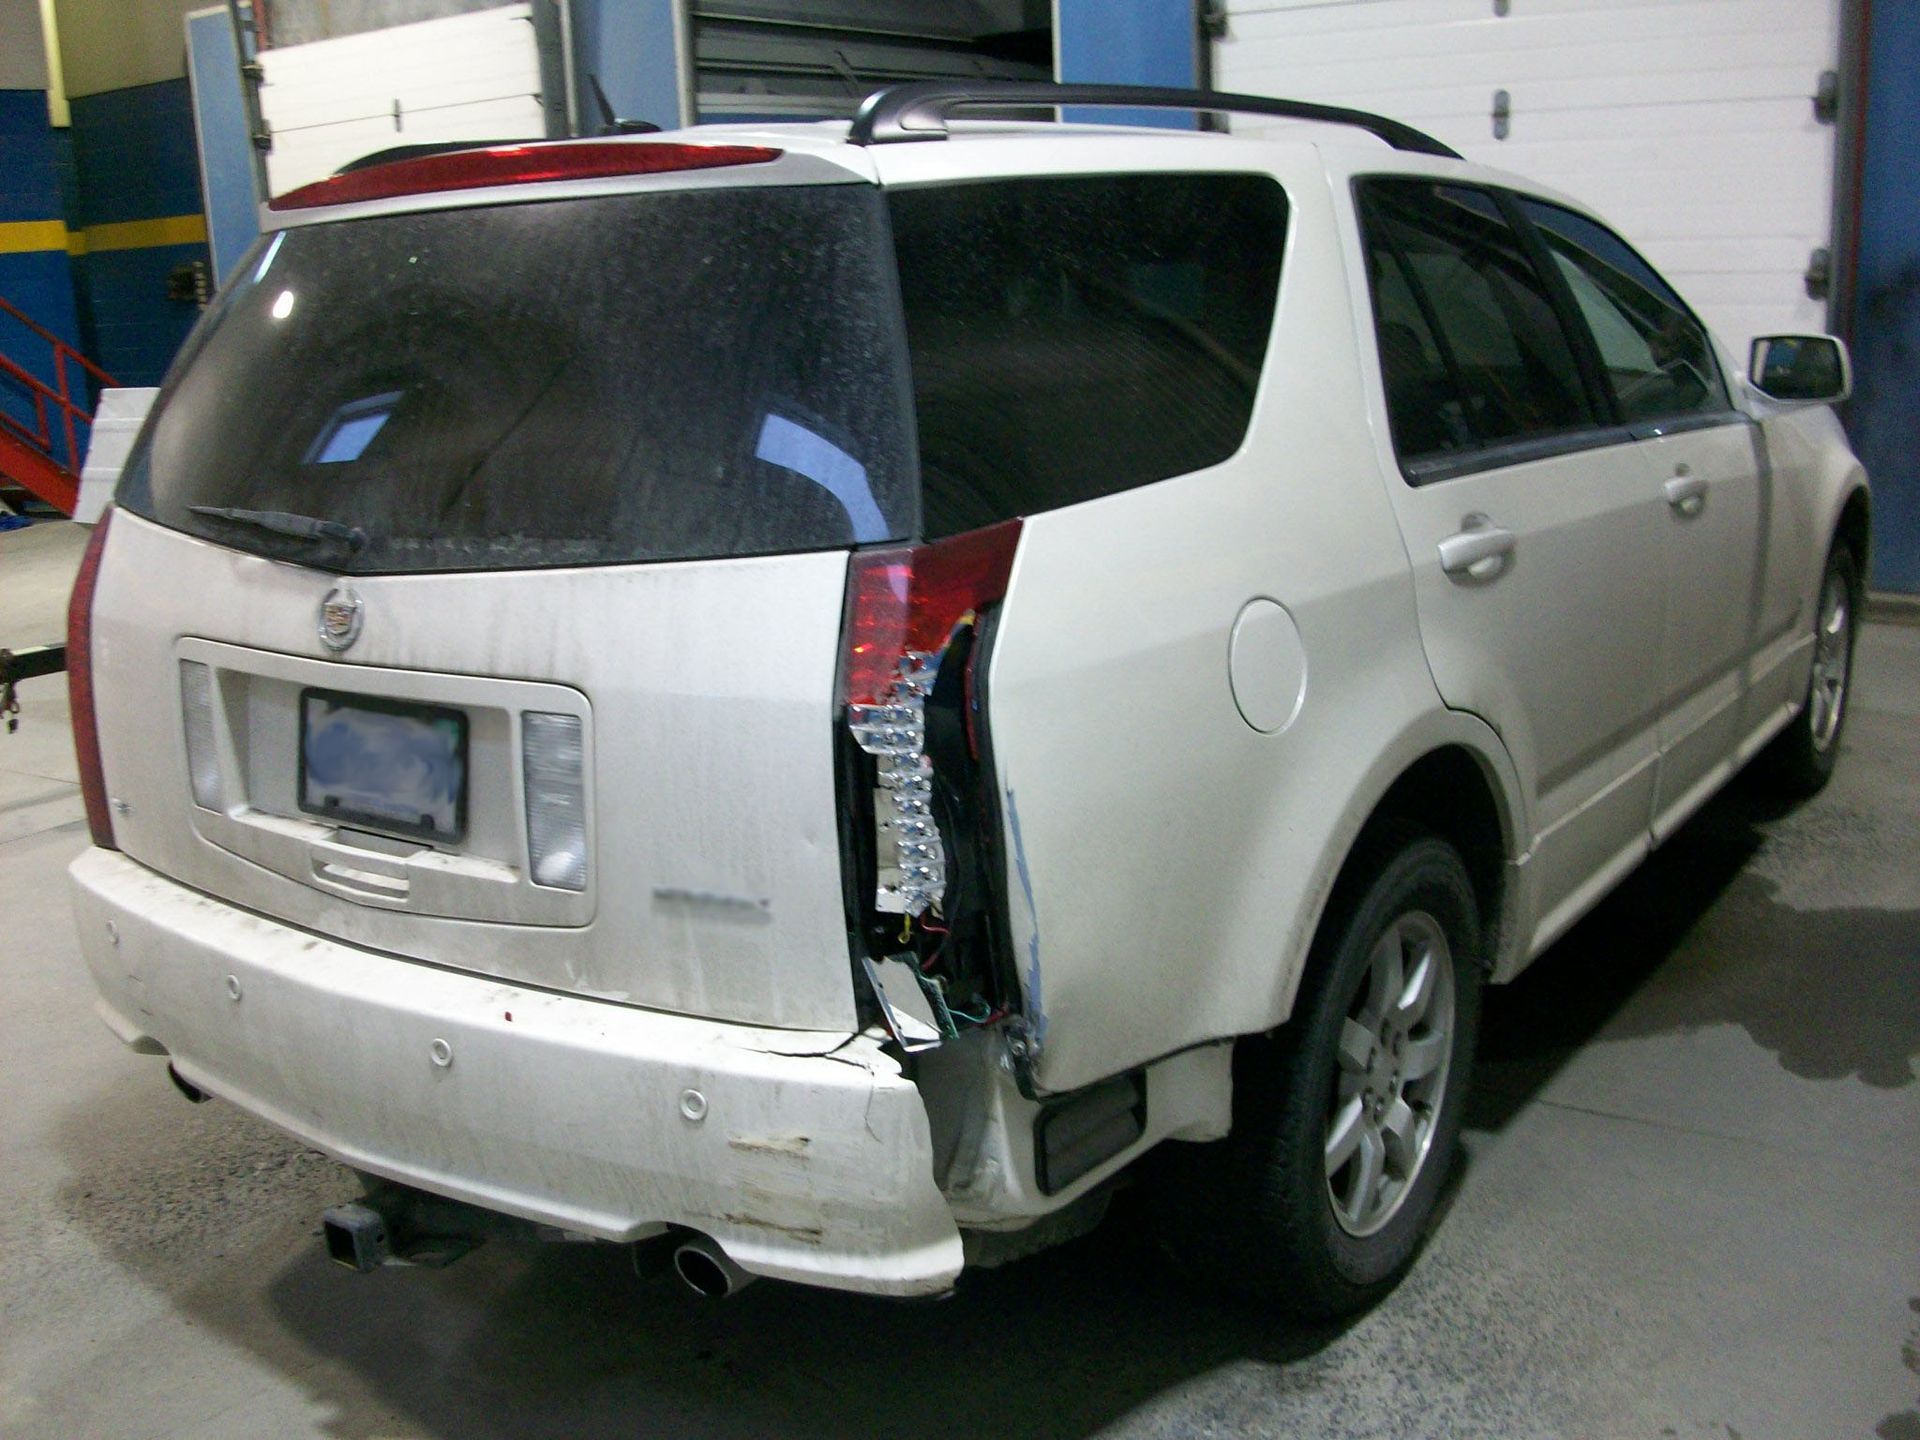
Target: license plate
pixel 386 764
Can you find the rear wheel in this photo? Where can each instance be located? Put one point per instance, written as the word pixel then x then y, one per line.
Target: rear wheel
pixel 1345 1121
pixel 1802 758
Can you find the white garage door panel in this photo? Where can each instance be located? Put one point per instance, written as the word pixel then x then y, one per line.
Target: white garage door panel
pixel 1560 19
pixel 1651 97
pixel 467 77
pixel 1686 122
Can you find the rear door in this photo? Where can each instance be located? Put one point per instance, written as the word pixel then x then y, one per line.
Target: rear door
pixel 1707 458
pixel 480 597
pixel 1533 526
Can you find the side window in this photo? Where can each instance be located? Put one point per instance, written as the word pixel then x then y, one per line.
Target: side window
pixel 1074 337
pixel 1472 350
pixel 1656 355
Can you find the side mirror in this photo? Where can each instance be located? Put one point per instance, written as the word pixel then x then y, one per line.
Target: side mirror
pixel 1801 369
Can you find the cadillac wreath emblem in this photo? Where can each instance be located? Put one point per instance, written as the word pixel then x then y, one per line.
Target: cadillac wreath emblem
pixel 339 618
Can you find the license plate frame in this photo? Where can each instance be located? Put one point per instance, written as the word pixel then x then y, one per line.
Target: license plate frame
pixel 383 722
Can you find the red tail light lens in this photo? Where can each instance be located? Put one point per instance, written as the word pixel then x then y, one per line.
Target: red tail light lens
pixel 86 729
pixel 906 602
pixel 517 165
pixel 903 608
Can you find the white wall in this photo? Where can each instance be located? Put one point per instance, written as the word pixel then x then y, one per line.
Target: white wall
pixel 1687 123
pixel 23 60
pixel 111 44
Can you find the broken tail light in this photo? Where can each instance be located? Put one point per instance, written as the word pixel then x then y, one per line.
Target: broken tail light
pixel 905 607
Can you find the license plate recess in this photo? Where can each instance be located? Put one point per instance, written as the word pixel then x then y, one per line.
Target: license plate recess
pixel 392 765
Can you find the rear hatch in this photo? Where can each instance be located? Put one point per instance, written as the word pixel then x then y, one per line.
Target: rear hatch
pixel 478 595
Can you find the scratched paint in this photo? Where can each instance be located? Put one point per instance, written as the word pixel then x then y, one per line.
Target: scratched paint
pixel 1037 1016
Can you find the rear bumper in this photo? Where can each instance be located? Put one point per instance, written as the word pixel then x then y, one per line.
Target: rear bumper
pixel 566 1111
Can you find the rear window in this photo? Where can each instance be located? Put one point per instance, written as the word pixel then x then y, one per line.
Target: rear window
pixel 1073 337
pixel 653 376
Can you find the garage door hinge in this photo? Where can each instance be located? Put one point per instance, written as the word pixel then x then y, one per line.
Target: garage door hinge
pixel 1502 114
pixel 1819 276
pixel 1826 97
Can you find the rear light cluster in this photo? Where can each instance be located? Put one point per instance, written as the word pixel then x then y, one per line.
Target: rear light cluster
pixel 203 754
pixel 553 757
pixel 905 607
pixel 517 165
pixel 86 726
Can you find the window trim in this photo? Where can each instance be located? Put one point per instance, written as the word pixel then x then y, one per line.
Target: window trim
pixel 1500 454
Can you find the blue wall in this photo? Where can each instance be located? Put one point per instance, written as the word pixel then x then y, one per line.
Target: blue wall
pixel 1884 416
pixel 135 158
pixel 1127 42
pixel 629 45
pixel 35 175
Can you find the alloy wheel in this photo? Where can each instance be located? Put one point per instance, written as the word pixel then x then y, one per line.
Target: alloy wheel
pixel 1832 659
pixel 1391 1073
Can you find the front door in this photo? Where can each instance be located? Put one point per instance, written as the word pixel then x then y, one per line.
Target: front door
pixel 1664 383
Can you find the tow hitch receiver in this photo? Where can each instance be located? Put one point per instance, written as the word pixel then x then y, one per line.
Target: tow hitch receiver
pixel 396 1225
pixel 356 1236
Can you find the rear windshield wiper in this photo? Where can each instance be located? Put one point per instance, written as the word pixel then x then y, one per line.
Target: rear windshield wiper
pixel 285 522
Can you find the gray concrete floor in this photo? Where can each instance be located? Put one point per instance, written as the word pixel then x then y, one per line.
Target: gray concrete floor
pixel 1690 1206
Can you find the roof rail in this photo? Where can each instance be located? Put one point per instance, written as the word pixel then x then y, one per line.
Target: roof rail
pixel 919 111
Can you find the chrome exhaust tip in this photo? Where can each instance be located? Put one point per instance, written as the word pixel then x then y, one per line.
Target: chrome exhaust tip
pixel 707 1271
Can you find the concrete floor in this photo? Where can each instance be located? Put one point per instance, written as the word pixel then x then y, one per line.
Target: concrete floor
pixel 1690 1205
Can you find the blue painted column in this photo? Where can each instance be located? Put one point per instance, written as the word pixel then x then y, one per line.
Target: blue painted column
pixel 220 121
pixel 1884 415
pixel 1127 42
pixel 631 45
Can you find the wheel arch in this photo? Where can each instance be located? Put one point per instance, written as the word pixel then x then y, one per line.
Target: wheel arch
pixel 1855 523
pixel 1453 777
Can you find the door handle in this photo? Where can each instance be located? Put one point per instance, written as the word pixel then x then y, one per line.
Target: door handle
pixel 1687 494
pixel 1478 552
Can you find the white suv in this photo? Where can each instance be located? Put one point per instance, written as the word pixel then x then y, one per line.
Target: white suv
pixel 811 695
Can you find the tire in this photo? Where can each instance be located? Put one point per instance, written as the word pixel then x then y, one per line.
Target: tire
pixel 1801 758
pixel 1258 1213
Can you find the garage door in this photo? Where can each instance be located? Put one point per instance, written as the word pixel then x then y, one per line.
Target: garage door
pixel 1689 123
pixel 490 75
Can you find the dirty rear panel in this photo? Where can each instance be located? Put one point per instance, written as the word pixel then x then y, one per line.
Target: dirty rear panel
pixel 585 468
pixel 714 885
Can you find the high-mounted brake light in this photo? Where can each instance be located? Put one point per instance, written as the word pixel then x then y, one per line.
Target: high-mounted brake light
pixel 905 605
pixel 86 728
pixel 517 165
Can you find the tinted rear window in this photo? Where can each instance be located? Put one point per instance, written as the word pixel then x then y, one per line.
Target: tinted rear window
pixel 1078 336
pixel 636 377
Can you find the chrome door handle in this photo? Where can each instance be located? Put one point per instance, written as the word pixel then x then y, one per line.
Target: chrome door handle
pixel 1478 552
pixel 1687 494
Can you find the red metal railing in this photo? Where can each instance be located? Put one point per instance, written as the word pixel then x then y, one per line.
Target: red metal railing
pixel 57 412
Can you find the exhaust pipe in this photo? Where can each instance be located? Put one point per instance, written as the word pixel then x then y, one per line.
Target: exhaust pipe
pixel 186 1087
pixel 707 1270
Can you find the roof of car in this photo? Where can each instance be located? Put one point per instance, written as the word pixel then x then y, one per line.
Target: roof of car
pixel 821 151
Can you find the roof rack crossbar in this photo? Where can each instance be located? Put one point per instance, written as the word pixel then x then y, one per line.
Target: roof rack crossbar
pixel 920 111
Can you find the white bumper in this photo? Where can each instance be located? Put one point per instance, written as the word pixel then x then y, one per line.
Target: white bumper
pixel 570 1112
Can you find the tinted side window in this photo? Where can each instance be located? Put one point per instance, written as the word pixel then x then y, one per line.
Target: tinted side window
pixel 1074 337
pixel 1655 353
pixel 1451 276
